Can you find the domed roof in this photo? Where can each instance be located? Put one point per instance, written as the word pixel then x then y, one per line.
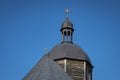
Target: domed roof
pixel 68 50
pixel 67 24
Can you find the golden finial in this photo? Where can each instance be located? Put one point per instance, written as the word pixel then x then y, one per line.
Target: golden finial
pixel 46 50
pixel 67 11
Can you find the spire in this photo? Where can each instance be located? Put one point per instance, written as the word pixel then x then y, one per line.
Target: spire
pixel 67 29
pixel 67 11
pixel 47 69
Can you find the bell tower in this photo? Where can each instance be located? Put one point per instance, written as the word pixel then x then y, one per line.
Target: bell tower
pixel 67 29
pixel 74 61
pixel 66 61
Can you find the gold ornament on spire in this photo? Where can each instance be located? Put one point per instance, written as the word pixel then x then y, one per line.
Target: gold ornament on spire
pixel 67 11
pixel 46 50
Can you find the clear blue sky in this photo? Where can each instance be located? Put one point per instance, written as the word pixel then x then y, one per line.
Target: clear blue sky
pixel 29 26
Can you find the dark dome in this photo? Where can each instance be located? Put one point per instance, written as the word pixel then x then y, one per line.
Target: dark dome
pixel 68 50
pixel 67 24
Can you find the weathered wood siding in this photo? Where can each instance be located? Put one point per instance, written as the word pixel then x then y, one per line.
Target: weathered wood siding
pixel 73 68
pixel 61 63
pixel 89 72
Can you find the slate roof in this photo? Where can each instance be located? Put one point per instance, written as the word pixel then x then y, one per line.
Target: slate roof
pixel 47 69
pixel 67 24
pixel 68 50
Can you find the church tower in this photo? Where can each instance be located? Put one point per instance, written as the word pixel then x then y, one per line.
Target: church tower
pixel 67 29
pixel 74 61
pixel 66 61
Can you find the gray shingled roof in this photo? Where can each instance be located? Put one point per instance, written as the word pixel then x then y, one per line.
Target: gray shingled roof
pixel 67 23
pixel 47 69
pixel 68 50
